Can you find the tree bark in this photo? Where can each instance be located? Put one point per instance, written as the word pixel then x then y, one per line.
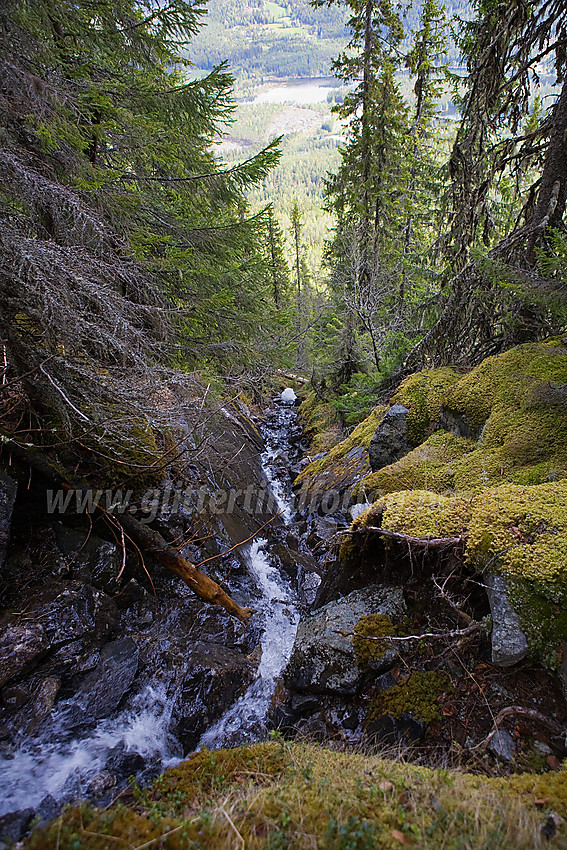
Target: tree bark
pixel 552 195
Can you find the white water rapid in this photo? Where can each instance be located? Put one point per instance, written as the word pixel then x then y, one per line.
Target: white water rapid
pixel 59 763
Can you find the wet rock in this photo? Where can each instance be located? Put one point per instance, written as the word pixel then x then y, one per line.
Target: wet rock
pixel 76 657
pixel 291 559
pixel 216 676
pixel 509 643
pixel 21 646
pixel 124 763
pixel 103 689
pixel 390 442
pixel 44 698
pixel 15 697
pixel 303 704
pixel 48 809
pixel 93 560
pixel 503 746
pixel 323 659
pixel 14 826
pixel 78 610
pixel 8 488
pixel 130 594
pixel 101 783
pixel 322 528
pixel 403 730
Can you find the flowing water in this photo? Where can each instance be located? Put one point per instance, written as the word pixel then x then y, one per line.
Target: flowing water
pixel 60 764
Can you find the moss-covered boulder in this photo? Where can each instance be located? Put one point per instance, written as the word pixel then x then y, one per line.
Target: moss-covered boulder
pixel 505 421
pixel 328 482
pixel 517 532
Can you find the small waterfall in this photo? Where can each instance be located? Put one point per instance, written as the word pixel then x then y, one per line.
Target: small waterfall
pixel 62 765
pixel 244 721
pixel 62 760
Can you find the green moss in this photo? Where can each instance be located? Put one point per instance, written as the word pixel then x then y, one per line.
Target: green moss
pixel 373 625
pixel 508 380
pixel 522 531
pixel 319 421
pixel 419 697
pixel 423 395
pixel 297 795
pixel 431 466
pixel 419 513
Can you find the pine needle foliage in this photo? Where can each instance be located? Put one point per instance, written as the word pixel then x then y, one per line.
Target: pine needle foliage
pixel 125 247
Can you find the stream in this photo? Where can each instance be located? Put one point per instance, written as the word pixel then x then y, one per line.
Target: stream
pixel 64 762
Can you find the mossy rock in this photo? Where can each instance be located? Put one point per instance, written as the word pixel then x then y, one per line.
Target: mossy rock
pixel 419 513
pixel 523 532
pixel 423 395
pixel 369 652
pixel 509 380
pixel 419 697
pixel 431 466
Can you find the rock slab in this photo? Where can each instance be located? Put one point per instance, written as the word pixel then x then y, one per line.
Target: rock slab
pixel 390 441
pixel 323 658
pixel 509 643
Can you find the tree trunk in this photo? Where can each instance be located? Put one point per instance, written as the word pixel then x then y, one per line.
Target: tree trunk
pixel 553 187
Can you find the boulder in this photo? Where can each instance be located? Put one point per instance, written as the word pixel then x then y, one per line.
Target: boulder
pixel 21 646
pixel 92 559
pixel 14 826
pixel 390 441
pixel 80 609
pixel 509 643
pixel 105 686
pixel 323 658
pixel 216 676
pixel 8 488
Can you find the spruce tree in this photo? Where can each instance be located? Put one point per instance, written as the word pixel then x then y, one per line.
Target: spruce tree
pixel 125 247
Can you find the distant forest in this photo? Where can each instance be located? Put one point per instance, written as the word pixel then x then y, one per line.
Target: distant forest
pixel 290 38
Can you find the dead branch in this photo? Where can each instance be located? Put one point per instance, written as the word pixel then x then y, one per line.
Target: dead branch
pixel 427 542
pixel 454 633
pixel 531 713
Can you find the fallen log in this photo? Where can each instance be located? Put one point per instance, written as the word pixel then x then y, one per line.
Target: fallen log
pixel 146 538
pixel 171 558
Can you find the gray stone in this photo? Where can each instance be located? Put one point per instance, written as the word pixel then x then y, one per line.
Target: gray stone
pixel 390 442
pixel 20 647
pixel 100 783
pixel 216 676
pixel 509 643
pixel 8 489
pixel 323 658
pixel 103 689
pixel 15 825
pixel 503 746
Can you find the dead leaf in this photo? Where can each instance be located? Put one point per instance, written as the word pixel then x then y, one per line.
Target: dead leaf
pixel 449 710
pixel 399 836
pixel 552 762
pixel 385 785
